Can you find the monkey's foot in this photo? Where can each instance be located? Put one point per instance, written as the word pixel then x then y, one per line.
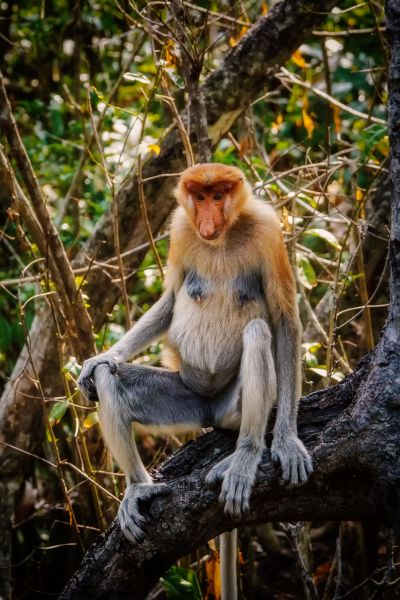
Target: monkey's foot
pixel 130 518
pixel 237 473
pixel 293 457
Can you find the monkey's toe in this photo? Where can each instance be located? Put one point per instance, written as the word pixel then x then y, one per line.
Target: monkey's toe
pixel 129 514
pixel 235 492
pixel 294 459
pixel 216 474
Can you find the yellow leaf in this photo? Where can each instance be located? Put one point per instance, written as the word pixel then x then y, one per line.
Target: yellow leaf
pixel 276 125
pixel 169 54
pixel 213 576
pixel 307 120
pixel 155 148
pixel 234 40
pixel 91 419
pixel 298 59
pixel 264 8
pixel 359 194
pixel 337 121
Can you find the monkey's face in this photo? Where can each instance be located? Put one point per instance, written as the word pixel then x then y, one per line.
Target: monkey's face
pixel 212 195
pixel 208 204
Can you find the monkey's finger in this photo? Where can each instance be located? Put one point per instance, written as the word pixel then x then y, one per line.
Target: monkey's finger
pixel 229 494
pixel 88 388
pixel 133 532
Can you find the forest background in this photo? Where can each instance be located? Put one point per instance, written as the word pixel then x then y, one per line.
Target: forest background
pixel 102 104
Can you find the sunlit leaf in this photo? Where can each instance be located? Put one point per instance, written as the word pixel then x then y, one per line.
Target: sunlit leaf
pixel 298 59
pixel 139 77
pixel 308 122
pixel 154 148
pixel 181 584
pixel 311 346
pixel 91 419
pixel 213 572
pixel 170 54
pixel 306 272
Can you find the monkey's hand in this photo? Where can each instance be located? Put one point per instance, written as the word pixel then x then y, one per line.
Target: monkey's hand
pixel 237 473
pixel 86 379
pixel 130 518
pixel 290 452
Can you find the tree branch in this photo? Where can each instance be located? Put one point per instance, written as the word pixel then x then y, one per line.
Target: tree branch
pixel 343 427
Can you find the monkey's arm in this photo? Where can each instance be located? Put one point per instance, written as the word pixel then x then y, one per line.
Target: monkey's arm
pixel 150 327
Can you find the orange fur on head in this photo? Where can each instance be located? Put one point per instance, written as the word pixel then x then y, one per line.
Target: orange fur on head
pixel 213 196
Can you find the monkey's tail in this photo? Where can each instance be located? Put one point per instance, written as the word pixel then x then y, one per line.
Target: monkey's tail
pixel 228 553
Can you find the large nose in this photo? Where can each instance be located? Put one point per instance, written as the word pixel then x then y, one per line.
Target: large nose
pixel 207 228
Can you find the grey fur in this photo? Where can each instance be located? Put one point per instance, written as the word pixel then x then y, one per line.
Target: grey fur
pixel 287 449
pixel 196 286
pixel 247 287
pixel 150 327
pixel 232 367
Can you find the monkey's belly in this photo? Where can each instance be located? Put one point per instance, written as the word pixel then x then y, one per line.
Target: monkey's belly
pixel 208 336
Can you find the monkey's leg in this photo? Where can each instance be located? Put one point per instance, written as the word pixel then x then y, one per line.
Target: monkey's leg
pixel 151 397
pixel 258 393
pixel 287 448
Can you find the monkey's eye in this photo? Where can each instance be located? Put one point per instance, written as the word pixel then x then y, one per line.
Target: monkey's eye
pixel 199 197
pixel 218 196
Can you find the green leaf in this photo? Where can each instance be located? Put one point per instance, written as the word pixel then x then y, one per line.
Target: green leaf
pixel 325 235
pixel 306 273
pixel 58 410
pixel 181 584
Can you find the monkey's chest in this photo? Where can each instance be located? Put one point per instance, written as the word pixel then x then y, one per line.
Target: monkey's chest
pixel 209 318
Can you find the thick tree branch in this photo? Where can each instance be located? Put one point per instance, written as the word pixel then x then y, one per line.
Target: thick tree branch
pixel 356 456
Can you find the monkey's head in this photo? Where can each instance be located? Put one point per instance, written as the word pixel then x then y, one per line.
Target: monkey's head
pixel 213 196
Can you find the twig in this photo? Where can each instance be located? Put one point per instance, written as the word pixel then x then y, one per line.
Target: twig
pixel 347 32
pixel 293 532
pixel 287 76
pixel 115 220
